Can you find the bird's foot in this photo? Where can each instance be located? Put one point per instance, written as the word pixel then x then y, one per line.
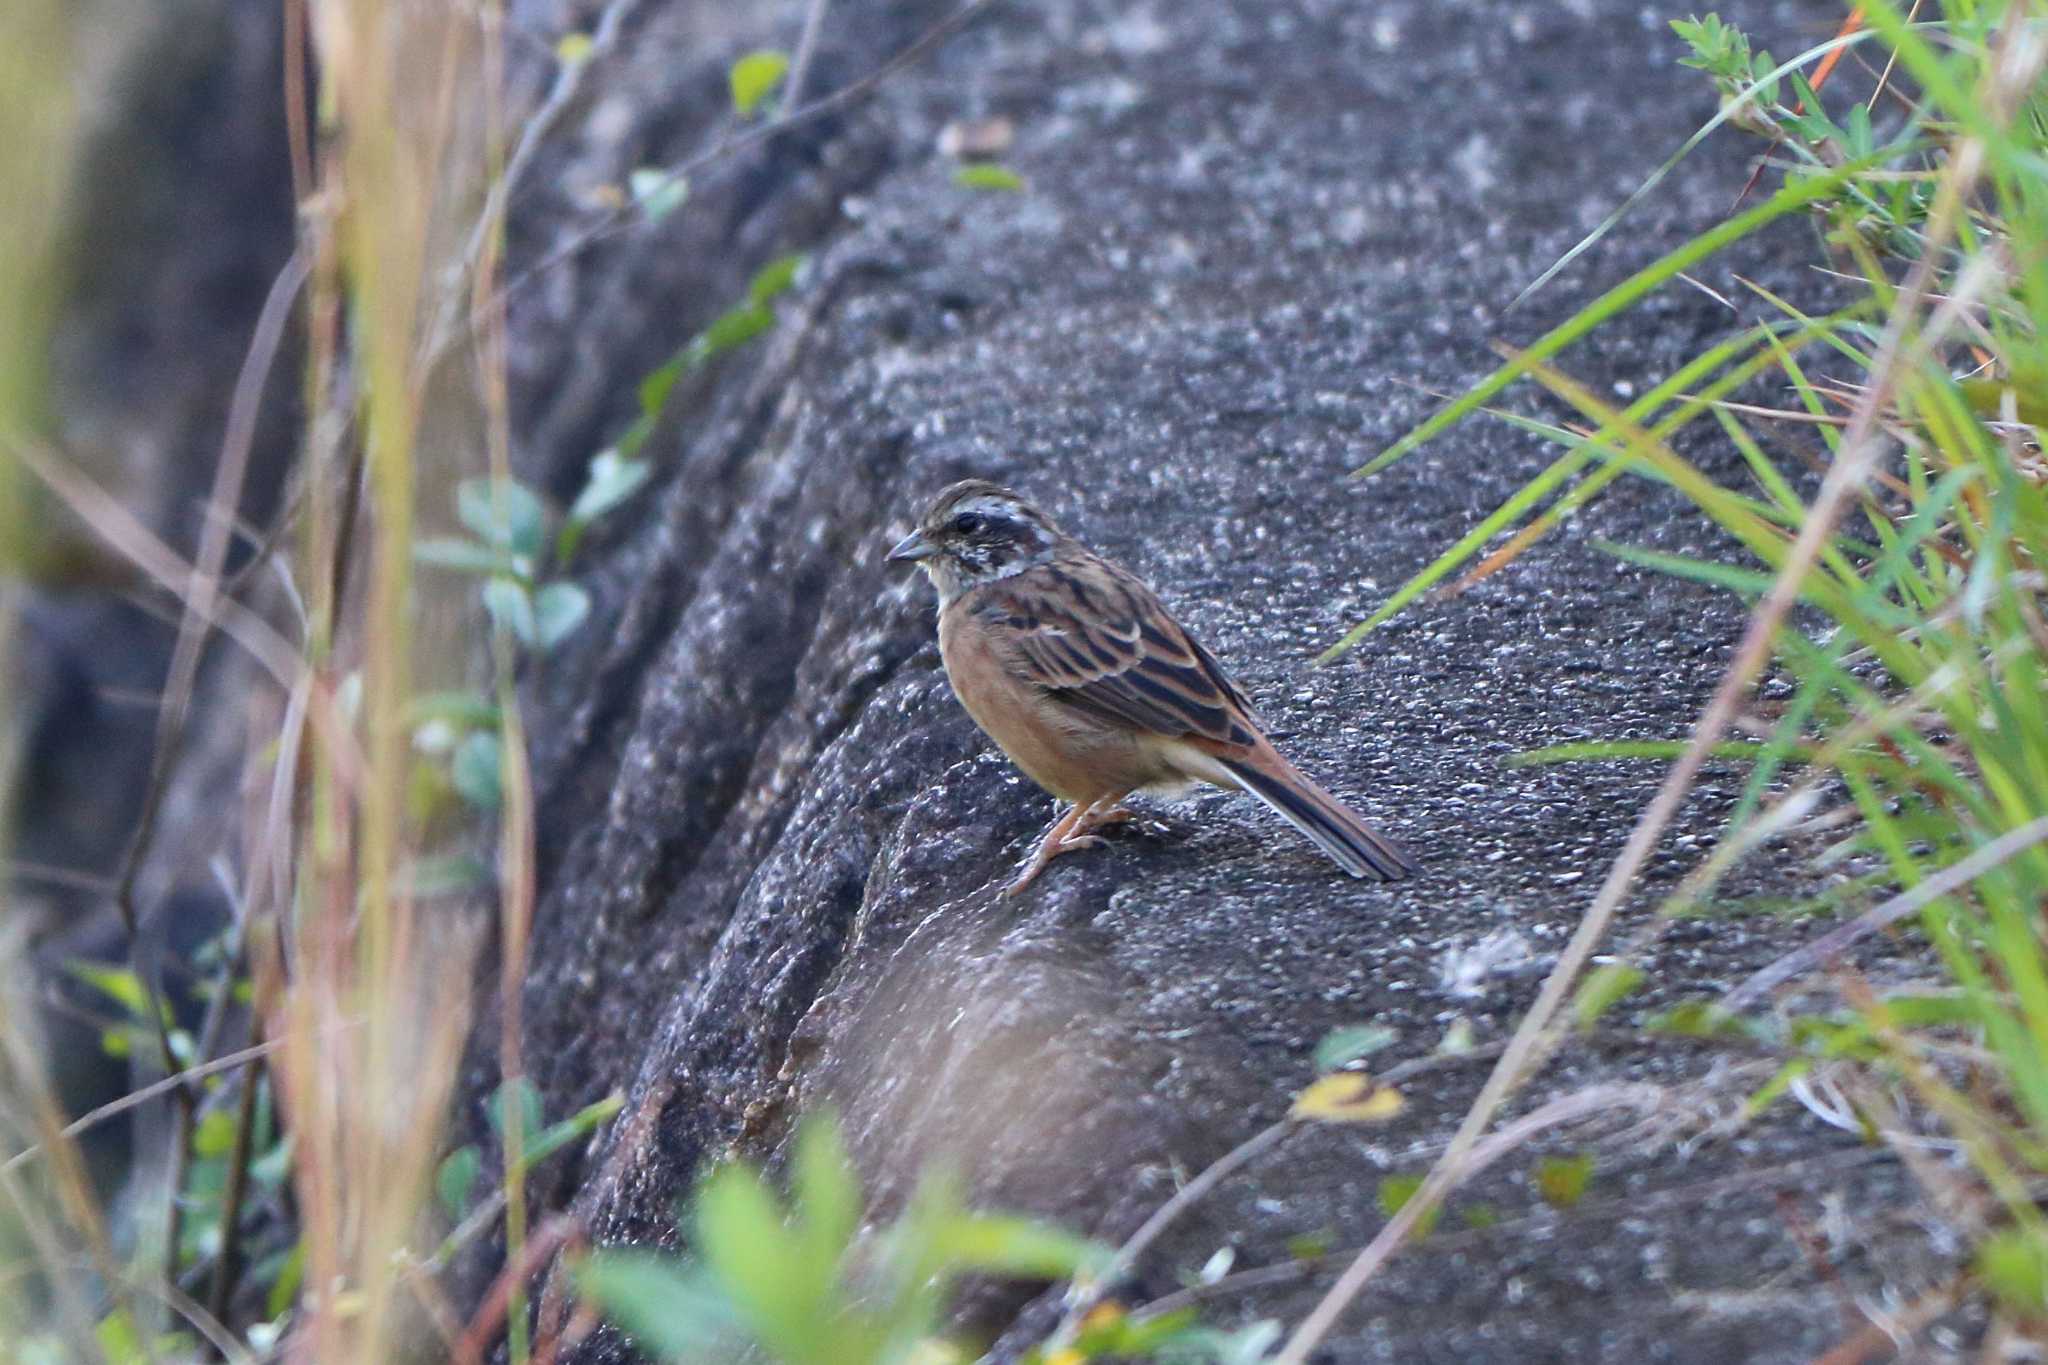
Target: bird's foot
pixel 1069 833
pixel 1096 819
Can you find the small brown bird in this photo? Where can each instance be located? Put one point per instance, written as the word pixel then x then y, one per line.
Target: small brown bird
pixel 1078 671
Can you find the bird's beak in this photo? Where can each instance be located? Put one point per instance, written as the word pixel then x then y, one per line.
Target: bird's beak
pixel 913 547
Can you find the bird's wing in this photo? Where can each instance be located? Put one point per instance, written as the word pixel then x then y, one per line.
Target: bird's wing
pixel 1093 637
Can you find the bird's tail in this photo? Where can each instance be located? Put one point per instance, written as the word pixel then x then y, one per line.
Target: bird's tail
pixel 1354 845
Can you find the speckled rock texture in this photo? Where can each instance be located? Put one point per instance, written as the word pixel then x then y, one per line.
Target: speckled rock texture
pixel 1255 239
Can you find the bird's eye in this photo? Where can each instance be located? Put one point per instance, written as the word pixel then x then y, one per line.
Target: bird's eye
pixel 967 523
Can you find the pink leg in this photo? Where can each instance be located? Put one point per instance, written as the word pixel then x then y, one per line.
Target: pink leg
pixel 1071 832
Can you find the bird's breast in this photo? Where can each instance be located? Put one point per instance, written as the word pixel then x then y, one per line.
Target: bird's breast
pixel 1068 753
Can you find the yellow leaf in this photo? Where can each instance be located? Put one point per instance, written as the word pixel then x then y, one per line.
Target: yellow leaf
pixel 1348 1097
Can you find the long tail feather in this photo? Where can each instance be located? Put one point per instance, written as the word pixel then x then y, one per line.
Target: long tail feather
pixel 1354 845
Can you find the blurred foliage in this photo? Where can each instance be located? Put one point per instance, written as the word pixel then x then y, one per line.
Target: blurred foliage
pixel 801 1282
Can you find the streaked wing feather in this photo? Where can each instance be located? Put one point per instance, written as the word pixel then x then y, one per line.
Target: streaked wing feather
pixel 1097 639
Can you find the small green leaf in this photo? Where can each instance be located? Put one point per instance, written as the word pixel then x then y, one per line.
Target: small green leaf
pixel 556 1136
pixel 214 1135
pixel 828 1195
pixel 1562 1180
pixel 654 389
pixel 284 1291
pixel 1343 1046
pixel 1311 1246
pixel 119 1341
pixel 1394 1193
pixel 511 607
pixel 1459 1039
pixel 1765 1095
pixel 774 278
pixel 740 1233
pixel 573 49
pixel 2014 1266
pixel 446 875
pixel 612 480
pixel 671 1311
pixel 524 1099
pixel 463 556
pixel 508 516
pixel 754 77
pixel 1607 984
pixel 272 1168
pixel 557 610
pixel 1479 1217
pixel 457 1177
pixel 1113 1333
pixel 471 710
pixel 986 175
pixel 636 436
pixel 115 1043
pixel 119 984
pixel 1698 1019
pixel 1005 1244
pixel 476 770
pixel 657 192
pixel 731 329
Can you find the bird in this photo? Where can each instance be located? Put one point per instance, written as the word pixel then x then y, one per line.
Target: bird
pixel 1080 674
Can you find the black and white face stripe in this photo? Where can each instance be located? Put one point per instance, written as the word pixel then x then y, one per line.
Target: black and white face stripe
pixel 980 533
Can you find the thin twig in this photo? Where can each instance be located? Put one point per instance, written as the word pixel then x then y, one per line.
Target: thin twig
pixel 1878 1340
pixel 228 1267
pixel 119 527
pixel 1629 1205
pixel 195 625
pixel 66 877
pixel 580 1325
pixel 263 549
pixel 564 1229
pixel 1565 1109
pixel 516 830
pixel 1884 80
pixel 200 590
pixel 1252 1149
pixel 1815 1248
pixel 1088 1295
pixel 567 87
pixel 94 1117
pixel 1831 944
pixel 806 48
pixel 71 1185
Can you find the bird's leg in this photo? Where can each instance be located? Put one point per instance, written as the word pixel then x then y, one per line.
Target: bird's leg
pixel 1069 832
pixel 1105 810
pixel 1050 847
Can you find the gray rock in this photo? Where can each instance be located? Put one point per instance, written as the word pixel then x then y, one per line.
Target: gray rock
pixel 1254 239
pixel 1257 240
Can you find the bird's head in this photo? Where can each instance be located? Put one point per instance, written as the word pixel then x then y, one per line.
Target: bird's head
pixel 976 532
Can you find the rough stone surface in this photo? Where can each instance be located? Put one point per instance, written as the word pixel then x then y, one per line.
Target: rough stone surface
pixel 1257 238
pixel 1254 237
